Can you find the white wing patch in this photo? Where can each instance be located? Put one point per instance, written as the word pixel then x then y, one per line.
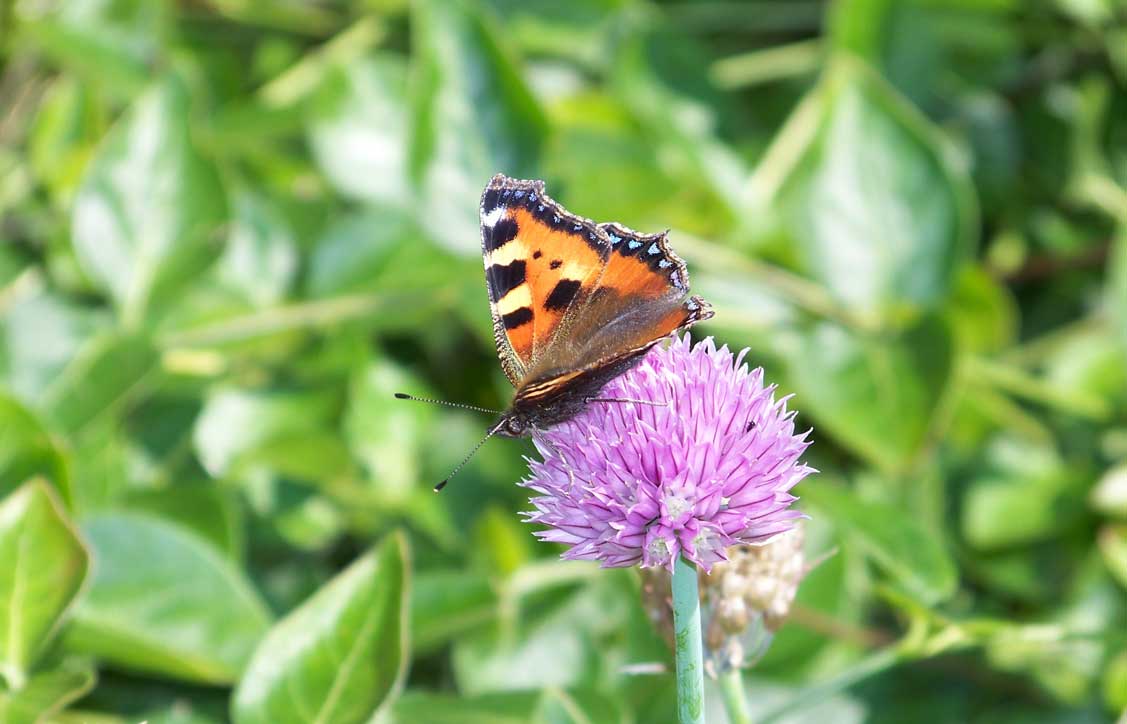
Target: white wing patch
pixel 490 219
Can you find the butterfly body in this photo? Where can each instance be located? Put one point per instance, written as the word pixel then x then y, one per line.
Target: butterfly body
pixel 574 303
pixel 563 403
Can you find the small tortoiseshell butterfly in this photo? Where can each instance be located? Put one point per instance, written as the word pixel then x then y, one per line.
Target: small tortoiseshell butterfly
pixel 574 303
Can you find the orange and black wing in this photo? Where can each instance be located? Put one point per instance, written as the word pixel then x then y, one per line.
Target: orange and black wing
pixel 641 298
pixel 540 262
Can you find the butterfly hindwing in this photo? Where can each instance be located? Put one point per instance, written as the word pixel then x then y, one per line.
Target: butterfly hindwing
pixel 540 261
pixel 638 301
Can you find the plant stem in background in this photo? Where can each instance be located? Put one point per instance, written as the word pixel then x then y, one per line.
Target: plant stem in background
pixel 689 647
pixel 735 703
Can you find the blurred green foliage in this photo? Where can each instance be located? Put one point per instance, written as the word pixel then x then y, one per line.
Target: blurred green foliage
pixel 231 229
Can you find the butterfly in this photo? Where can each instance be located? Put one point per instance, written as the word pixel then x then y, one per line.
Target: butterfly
pixel 574 303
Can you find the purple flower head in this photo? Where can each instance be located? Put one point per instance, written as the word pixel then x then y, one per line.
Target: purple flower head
pixel 710 468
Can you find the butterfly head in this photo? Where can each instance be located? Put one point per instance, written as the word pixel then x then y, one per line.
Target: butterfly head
pixel 513 424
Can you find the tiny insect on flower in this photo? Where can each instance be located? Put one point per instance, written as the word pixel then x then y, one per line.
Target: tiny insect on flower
pixel 708 464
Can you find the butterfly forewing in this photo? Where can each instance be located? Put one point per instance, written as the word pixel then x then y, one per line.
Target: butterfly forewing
pixel 540 260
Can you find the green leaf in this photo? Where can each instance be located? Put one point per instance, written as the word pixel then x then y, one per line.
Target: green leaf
pixel 119 362
pixel 1089 365
pixel 1113 548
pixel 354 252
pixel 657 72
pixel 261 257
pixel 206 509
pixel 1022 493
pixel 983 313
pixel 386 433
pixel 359 133
pixel 237 422
pixel 878 212
pixel 148 214
pixel 339 656
pixel 42 334
pixel 104 41
pixel 45 564
pixel 68 124
pixel 500 541
pixel 79 716
pixel 877 395
pixel 472 116
pixel 26 450
pixel 441 708
pixel 563 648
pixel 178 713
pixel 1063 664
pixel 44 694
pixel 899 544
pixel 164 601
pixel 1117 286
pixel 556 707
pixel 448 604
pixel 1109 496
pixel 1115 682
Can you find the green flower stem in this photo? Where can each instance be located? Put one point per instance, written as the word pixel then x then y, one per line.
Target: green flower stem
pixel 732 687
pixel 690 647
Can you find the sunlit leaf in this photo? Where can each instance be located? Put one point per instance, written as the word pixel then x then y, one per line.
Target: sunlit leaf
pixel 164 601
pixel 42 332
pixel 46 693
pixel 106 41
pixel 235 422
pixel 45 563
pixel 261 256
pixel 339 656
pixel 1109 496
pixel 1115 683
pixel 880 213
pixel 148 214
pixel 355 250
pixel 1113 547
pixel 385 433
pixel 359 131
pixel 473 116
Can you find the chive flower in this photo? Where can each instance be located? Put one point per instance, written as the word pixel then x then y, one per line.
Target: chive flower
pixel 707 464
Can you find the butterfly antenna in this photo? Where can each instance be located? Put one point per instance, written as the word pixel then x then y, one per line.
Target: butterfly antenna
pixel 405 396
pixel 492 431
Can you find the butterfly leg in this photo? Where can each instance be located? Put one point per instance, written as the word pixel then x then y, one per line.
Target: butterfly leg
pixel 625 399
pixel 541 437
